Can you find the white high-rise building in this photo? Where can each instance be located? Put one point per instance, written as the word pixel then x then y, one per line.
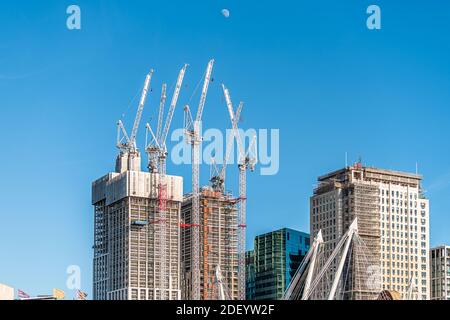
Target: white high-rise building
pixel 440 273
pixel 127 234
pixel 393 221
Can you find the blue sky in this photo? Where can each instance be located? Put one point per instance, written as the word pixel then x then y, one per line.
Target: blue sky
pixel 309 68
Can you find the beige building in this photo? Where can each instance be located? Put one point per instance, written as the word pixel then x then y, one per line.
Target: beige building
pixel 6 292
pixel 393 222
pixel 127 239
pixel 440 273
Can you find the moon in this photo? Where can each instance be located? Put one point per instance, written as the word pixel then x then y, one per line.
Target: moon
pixel 225 13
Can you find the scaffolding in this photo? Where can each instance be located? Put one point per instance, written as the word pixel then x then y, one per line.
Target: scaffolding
pixel 339 199
pixel 218 243
pixel 363 205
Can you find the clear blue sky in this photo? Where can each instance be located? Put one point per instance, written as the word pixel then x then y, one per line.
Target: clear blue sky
pixel 309 68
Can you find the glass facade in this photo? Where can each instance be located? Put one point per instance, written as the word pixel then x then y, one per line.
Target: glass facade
pixel 276 257
pixel 250 275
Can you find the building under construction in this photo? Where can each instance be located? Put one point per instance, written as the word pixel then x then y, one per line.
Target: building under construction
pixel 371 230
pixel 126 235
pixel 137 216
pixel 218 245
pixel 153 243
pixel 213 226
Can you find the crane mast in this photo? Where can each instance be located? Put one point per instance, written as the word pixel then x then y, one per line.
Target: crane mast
pixel 192 132
pixel 162 102
pixel 246 160
pixel 157 151
pixel 157 154
pixel 250 159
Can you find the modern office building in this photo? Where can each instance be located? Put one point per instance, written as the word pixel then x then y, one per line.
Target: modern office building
pixel 128 246
pixel 277 256
pixel 250 275
pixel 440 273
pixel 393 223
pixel 218 245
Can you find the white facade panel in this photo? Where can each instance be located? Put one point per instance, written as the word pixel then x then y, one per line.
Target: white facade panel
pixel 116 186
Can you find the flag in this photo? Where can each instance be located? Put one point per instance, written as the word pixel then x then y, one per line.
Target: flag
pixel 22 295
pixel 81 295
pixel 58 294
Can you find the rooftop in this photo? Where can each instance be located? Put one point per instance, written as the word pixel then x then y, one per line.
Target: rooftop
pixel 372 170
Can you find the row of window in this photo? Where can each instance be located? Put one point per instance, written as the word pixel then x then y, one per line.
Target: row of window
pixel 399 210
pixel 401 234
pixel 399 250
pixel 398 202
pixel 399 226
pixel 399 242
pixel 398 194
pixel 403 273
pixel 400 218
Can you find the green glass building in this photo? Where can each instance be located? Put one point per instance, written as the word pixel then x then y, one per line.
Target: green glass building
pixel 273 262
pixel 250 275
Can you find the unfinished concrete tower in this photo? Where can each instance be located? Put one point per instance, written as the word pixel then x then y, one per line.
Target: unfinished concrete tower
pixel 125 263
pixel 218 244
pixel 136 252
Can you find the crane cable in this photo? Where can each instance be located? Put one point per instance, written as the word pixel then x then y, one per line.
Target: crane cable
pixel 198 85
pixel 131 102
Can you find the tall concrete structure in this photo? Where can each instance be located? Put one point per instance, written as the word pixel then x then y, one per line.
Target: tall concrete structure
pixel 393 223
pixel 440 272
pixel 277 256
pixel 126 234
pixel 218 244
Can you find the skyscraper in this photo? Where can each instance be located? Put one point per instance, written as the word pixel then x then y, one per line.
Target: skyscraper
pixel 126 236
pixel 277 256
pixel 440 273
pixel 393 223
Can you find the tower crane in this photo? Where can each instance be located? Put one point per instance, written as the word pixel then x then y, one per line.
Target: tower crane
pixel 218 177
pixel 156 148
pixel 247 160
pixel 153 148
pixel 129 145
pixel 193 137
pixel 157 152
